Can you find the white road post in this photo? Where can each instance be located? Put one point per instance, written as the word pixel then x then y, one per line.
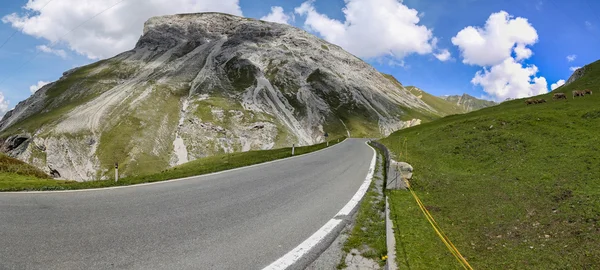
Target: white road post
pixel 293 146
pixel 327 143
pixel 116 171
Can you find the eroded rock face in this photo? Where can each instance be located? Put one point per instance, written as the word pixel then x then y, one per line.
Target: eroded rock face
pixel 576 75
pixel 200 84
pixel 16 144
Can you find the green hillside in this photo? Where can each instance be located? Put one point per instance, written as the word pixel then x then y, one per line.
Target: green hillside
pixel 513 186
pixel 15 171
pixel 444 107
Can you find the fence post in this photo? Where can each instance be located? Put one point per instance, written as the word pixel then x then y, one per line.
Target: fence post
pixel 293 146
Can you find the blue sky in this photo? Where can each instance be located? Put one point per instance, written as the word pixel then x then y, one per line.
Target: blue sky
pixel 41 51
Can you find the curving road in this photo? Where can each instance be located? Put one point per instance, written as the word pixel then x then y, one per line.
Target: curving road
pixel 241 219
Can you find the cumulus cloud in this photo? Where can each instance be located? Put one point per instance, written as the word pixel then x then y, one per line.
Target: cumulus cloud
pixel 511 79
pixel 496 41
pixel 277 15
pixel 3 104
pixel 37 86
pixel 112 32
pixel 573 69
pixel 500 47
pixel 557 84
pixel 571 57
pixel 443 55
pixel 60 53
pixel 372 28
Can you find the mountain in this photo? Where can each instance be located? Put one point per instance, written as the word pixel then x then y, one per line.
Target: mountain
pixel 200 84
pixel 444 107
pixel 469 103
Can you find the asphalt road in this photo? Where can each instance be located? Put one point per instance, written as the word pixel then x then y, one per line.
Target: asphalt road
pixel 242 219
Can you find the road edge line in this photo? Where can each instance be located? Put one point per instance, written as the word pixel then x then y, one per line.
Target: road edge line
pixel 328 230
pixel 170 180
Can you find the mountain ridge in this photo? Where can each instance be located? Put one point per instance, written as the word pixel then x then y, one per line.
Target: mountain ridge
pixel 468 102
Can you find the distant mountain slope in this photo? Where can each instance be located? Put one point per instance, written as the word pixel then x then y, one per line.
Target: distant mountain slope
pixel 469 103
pixel 200 84
pixel 441 105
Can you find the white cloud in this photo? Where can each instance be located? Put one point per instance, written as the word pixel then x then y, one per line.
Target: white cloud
pixel 573 69
pixel 277 15
pixel 37 86
pixel 496 42
pixel 444 55
pixel 114 31
pixel 372 28
pixel 60 53
pixel 557 84
pixel 3 104
pixel 521 52
pixel 510 79
pixel 500 48
pixel 571 57
pixel 589 25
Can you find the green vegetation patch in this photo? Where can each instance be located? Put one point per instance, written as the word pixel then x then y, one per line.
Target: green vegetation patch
pixel 15 166
pixel 18 175
pixel 241 73
pixel 149 130
pixel 513 186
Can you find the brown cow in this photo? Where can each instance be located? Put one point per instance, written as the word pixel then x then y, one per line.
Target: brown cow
pixel 540 101
pixel 559 96
pixel 578 94
pixel 530 101
pixel 588 91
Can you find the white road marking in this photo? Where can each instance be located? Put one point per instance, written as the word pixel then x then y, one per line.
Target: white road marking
pixel 291 257
pixel 169 181
pixel 295 254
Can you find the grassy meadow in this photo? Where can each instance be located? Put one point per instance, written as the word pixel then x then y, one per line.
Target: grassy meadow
pixel 514 186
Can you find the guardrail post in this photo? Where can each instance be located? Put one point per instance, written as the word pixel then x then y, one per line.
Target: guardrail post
pixel 293 146
pixel 327 143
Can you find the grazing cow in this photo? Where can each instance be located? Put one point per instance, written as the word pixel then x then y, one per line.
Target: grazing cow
pixel 559 96
pixel 530 101
pixel 540 101
pixel 588 91
pixel 578 94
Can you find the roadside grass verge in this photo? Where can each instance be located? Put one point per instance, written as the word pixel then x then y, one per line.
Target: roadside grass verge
pixel 513 186
pixel 10 181
pixel 368 236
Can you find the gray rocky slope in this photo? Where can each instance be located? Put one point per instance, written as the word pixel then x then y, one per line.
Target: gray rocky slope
pixel 197 85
